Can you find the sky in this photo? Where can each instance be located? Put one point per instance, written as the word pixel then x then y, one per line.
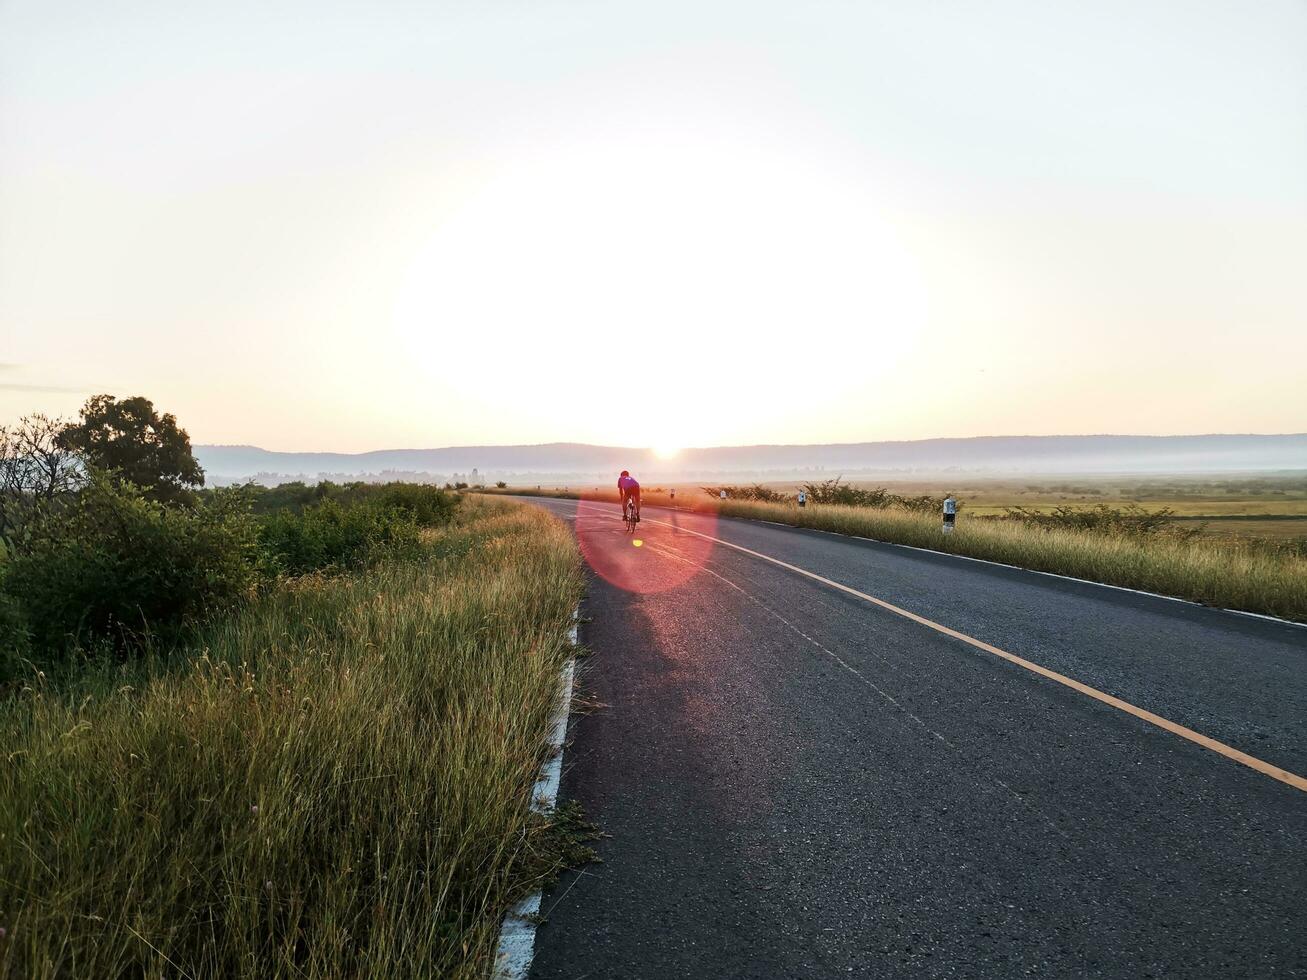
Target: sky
pixel 324 226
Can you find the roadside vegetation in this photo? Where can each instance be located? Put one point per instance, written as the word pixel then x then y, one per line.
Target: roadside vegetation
pixel 1129 546
pixel 834 491
pixel 262 734
pixel 1228 574
pixel 1271 506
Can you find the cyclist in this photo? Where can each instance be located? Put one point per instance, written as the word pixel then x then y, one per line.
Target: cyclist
pixel 628 488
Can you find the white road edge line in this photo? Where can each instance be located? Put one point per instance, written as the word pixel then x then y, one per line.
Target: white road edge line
pixel 517 934
pixel 1220 748
pixel 996 564
pixel 1067 578
pixel 1020 568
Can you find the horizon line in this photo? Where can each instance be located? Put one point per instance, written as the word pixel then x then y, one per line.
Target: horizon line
pixel 749 445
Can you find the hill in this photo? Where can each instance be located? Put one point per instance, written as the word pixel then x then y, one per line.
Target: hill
pixel 997 455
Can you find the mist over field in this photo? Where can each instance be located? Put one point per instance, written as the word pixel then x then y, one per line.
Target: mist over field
pixel 996 456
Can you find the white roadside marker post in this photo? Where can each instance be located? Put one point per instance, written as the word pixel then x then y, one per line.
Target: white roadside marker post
pixel 803 499
pixel 950 513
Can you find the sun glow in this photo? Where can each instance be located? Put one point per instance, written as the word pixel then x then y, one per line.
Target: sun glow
pixel 691 277
pixel 666 452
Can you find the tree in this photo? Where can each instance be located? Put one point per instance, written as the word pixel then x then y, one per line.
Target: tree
pixel 143 447
pixel 36 472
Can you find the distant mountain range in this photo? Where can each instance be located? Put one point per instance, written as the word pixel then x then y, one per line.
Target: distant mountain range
pixel 993 455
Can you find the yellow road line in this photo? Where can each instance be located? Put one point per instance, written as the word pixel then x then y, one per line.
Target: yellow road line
pixel 1266 768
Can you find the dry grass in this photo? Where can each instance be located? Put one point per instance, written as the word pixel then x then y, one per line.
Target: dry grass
pixel 338 786
pixel 1225 574
pixel 1279 501
pixel 1228 573
pixel 1269 528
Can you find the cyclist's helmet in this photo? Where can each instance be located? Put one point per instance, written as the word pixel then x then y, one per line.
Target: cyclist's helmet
pixel 626 472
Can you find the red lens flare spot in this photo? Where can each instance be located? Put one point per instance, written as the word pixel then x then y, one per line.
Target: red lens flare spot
pixel 664 556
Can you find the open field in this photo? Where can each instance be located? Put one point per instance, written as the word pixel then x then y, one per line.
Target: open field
pixel 1279 503
pixel 1272 507
pixel 1229 572
pixel 333 781
pixel 1268 527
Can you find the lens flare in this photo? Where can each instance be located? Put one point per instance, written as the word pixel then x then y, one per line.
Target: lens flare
pixel 664 557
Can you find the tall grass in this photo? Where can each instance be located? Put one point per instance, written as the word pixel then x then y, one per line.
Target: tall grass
pixel 1226 574
pixel 1217 572
pixel 336 784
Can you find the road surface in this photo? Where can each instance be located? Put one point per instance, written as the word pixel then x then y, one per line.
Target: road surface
pixel 797 781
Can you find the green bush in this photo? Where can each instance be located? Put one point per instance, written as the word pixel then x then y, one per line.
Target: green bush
pixel 115 568
pixel 428 505
pixel 330 535
pixel 14 639
pixel 294 496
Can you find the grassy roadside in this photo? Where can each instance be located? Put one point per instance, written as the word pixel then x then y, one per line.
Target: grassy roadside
pixel 1225 573
pixel 336 783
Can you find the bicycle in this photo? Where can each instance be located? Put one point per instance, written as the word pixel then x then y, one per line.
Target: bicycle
pixel 630 517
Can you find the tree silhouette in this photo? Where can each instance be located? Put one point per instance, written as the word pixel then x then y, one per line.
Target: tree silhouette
pixel 36 472
pixel 141 446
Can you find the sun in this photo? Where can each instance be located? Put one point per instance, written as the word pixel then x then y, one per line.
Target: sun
pixel 678 244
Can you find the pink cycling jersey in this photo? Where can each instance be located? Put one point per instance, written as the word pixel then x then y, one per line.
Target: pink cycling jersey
pixel 627 483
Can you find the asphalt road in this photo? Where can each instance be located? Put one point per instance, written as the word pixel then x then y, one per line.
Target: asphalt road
pixel 796 782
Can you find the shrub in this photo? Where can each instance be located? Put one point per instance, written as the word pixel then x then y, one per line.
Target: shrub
pixel 112 566
pixel 14 637
pixel 836 492
pixel 428 506
pixel 1131 520
pixel 330 535
pixel 294 496
pixel 924 504
pixel 36 474
pixel 755 492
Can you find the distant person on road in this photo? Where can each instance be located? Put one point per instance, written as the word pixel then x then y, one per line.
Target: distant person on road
pixel 628 488
pixel 950 513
